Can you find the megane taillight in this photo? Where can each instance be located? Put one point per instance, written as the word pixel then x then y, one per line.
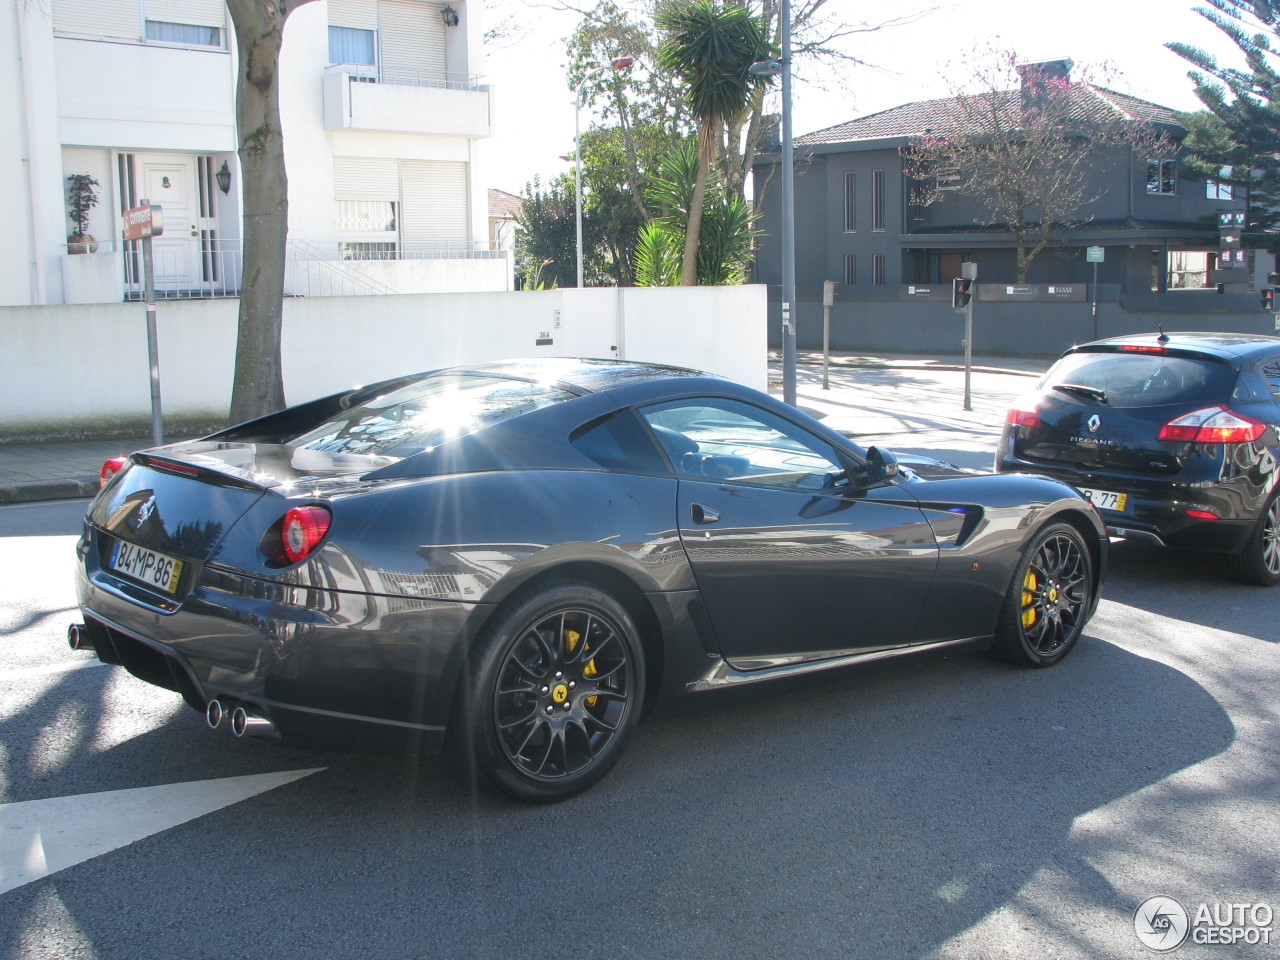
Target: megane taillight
pixel 1212 425
pixel 302 530
pixel 109 469
pixel 1024 413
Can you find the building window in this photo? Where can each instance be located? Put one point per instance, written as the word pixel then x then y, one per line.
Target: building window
pixel 188 33
pixel 367 251
pixel 1162 176
pixel 947 179
pixel 351 45
pixel 368 230
pixel 1217 190
pixel 850 204
pixel 877 269
pixel 877 199
pixel 1189 269
pixel 366 216
pixel 850 270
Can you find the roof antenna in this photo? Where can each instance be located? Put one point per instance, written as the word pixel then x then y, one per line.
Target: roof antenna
pixel 1164 337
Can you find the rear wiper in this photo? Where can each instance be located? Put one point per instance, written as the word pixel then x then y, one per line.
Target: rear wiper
pixel 1080 390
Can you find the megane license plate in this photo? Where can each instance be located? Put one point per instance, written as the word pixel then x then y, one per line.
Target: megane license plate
pixel 1106 500
pixel 152 568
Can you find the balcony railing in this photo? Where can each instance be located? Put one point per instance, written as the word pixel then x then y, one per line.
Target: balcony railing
pixel 367 73
pixel 210 267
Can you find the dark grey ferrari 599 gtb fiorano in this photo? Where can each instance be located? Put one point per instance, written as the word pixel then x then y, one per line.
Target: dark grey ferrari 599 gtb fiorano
pixel 530 555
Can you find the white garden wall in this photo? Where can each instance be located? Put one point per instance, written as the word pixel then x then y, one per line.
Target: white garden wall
pixel 88 363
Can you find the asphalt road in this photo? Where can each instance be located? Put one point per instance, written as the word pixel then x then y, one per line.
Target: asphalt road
pixel 951 808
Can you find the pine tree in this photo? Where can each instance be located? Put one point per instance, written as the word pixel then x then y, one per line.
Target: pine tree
pixel 1236 140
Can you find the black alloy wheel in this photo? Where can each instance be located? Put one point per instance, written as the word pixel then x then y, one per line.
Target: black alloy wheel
pixel 1259 561
pixel 556 687
pixel 1049 600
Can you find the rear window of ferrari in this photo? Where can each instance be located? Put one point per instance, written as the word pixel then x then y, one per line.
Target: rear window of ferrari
pixel 428 413
pixel 1141 379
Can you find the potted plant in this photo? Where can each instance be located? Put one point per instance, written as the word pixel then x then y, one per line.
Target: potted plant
pixel 81 198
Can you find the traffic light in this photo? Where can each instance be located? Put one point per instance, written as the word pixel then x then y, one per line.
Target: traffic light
pixel 1268 298
pixel 961 293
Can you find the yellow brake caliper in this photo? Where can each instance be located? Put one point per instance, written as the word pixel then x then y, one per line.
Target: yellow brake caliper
pixel 1028 600
pixel 571 638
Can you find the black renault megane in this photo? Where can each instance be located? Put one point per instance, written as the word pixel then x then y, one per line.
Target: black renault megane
pixel 1174 438
pixel 521 559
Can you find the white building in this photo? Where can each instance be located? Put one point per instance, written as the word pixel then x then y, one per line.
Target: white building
pixel 381 110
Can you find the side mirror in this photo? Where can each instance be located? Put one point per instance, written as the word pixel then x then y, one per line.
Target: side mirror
pixel 881 466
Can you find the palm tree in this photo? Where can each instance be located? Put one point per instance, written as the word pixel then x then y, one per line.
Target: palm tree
pixel 710 47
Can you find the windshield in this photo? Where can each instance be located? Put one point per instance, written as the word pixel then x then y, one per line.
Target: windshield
pixel 1140 379
pixel 428 413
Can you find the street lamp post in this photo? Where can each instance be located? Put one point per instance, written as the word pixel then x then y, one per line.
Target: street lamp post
pixel 617 63
pixel 782 66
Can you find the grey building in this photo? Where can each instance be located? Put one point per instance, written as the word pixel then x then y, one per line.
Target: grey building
pixel 857 225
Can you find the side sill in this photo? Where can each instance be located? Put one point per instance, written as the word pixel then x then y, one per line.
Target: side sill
pixel 725 674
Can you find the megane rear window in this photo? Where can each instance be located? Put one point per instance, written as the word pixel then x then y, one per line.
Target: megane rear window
pixel 1140 379
pixel 428 413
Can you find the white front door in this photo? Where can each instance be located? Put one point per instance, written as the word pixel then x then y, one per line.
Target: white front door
pixel 170 181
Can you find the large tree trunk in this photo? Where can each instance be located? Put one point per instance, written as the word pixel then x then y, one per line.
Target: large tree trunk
pixel 258 386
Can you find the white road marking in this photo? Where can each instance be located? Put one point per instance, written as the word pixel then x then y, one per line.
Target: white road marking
pixel 22 673
pixel 41 837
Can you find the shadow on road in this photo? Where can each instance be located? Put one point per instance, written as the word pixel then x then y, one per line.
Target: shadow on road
pixel 869 815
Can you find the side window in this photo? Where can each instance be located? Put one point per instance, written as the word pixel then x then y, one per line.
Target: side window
pixel 725 439
pixel 618 442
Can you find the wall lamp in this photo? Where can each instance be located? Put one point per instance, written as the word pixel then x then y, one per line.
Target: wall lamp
pixel 449 16
pixel 223 177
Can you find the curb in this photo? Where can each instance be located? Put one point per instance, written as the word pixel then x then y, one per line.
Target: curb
pixel 33 491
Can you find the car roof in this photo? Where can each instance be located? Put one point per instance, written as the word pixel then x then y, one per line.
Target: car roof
pixel 1227 346
pixel 580 375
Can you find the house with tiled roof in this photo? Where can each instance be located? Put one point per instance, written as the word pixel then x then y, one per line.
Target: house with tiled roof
pixel 503 209
pixel 859 223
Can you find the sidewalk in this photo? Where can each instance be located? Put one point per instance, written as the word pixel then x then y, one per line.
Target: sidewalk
pixel 913 404
pixel 57 471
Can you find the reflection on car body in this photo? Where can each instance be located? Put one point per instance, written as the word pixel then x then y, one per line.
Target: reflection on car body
pixel 522 558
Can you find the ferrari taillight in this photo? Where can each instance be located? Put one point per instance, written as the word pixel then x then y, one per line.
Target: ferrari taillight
pixel 109 469
pixel 1212 425
pixel 303 528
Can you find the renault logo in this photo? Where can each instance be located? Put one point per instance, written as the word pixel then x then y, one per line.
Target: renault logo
pixel 1094 423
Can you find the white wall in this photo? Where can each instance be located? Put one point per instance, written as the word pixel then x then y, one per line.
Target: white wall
pixel 29 127
pixel 63 364
pixel 444 275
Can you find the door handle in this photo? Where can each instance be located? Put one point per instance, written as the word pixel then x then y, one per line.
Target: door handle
pixel 703 514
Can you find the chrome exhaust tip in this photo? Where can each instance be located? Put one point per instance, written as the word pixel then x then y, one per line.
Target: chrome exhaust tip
pixel 214 714
pixel 78 637
pixel 246 724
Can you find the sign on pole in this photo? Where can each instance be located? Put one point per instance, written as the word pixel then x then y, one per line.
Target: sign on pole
pixel 1095 254
pixel 142 223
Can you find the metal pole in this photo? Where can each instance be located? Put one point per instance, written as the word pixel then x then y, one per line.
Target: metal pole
pixel 968 351
pixel 828 299
pixel 1095 300
pixel 153 345
pixel 788 220
pixel 577 165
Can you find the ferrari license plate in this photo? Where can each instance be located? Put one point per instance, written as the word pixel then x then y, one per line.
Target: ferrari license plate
pixel 1106 500
pixel 152 568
